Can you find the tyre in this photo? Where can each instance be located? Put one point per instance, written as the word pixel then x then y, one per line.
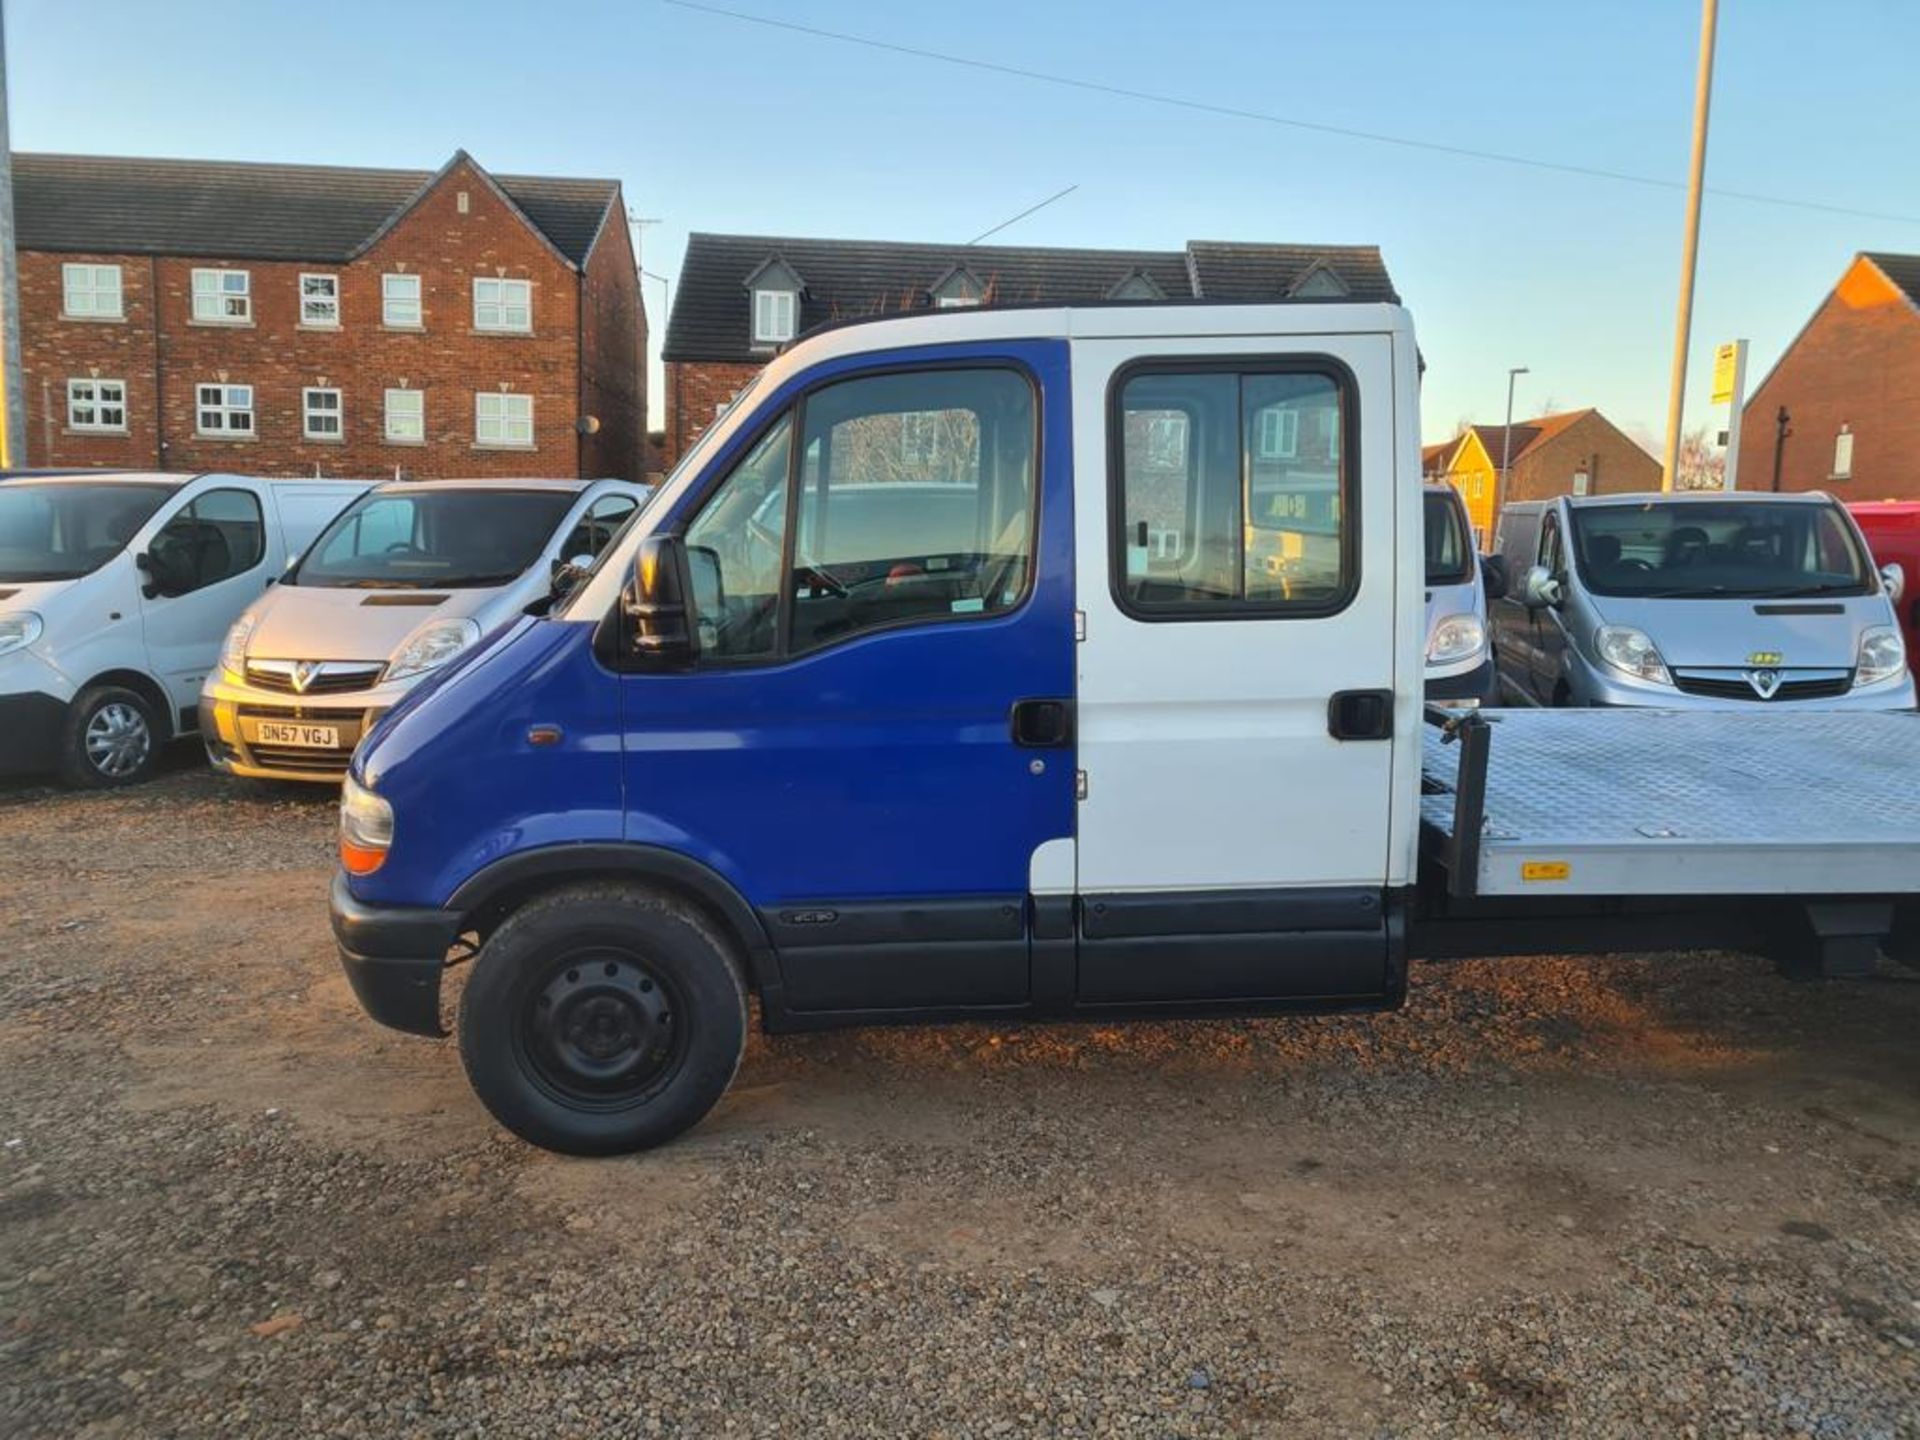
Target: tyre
pixel 112 738
pixel 602 1019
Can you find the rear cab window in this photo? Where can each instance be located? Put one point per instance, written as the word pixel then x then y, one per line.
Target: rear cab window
pixel 1233 490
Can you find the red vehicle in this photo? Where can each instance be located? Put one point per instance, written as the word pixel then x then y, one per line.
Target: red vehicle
pixel 1892 528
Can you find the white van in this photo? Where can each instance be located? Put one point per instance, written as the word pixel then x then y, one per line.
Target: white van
pixel 115 591
pixel 404 580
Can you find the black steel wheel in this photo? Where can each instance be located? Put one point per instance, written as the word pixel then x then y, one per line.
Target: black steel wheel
pixel 603 1018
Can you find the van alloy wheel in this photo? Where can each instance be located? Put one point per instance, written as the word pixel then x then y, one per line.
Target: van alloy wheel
pixel 118 740
pixel 599 1030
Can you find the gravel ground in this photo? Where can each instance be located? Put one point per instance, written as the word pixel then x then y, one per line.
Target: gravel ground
pixel 1667 1196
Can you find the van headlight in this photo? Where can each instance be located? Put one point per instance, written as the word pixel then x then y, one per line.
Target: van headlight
pixel 430 647
pixel 1882 656
pixel 233 651
pixel 19 630
pixel 1456 637
pixel 1631 652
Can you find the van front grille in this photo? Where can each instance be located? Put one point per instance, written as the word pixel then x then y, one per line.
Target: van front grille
pixel 1734 685
pixel 322 677
pixel 307 762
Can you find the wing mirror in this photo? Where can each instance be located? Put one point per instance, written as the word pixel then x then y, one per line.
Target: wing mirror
pixel 1893 575
pixel 1539 589
pixel 162 578
pixel 1495 578
pixel 657 632
pixel 566 574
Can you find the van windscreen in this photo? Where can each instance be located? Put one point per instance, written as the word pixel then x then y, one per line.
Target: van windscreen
pixel 62 530
pixel 1449 556
pixel 439 539
pixel 1718 549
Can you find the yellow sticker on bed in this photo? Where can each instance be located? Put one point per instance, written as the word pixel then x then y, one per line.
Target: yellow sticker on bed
pixel 1545 869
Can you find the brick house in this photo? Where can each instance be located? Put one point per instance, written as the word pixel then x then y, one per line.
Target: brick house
pixel 301 319
pixel 1579 452
pixel 740 298
pixel 1850 384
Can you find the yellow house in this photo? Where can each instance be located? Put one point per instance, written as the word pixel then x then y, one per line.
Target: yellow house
pixel 1463 463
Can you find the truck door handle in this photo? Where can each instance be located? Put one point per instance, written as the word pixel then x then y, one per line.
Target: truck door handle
pixel 1042 724
pixel 1361 715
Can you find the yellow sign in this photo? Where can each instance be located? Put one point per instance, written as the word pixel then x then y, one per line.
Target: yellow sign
pixel 1545 870
pixel 1725 361
pixel 1765 657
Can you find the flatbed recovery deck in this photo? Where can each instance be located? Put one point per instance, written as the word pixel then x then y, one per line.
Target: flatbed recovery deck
pixel 1648 803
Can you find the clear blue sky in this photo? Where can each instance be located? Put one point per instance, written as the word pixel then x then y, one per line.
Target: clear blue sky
pixel 718 125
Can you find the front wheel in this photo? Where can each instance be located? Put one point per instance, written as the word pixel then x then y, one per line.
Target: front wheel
pixel 112 738
pixel 602 1019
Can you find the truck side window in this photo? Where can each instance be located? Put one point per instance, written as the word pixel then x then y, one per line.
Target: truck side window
pixel 916 502
pixel 1233 497
pixel 739 533
pixel 216 535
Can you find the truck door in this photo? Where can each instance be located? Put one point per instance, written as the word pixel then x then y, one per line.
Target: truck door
pixel 877 736
pixel 1251 655
pixel 1548 651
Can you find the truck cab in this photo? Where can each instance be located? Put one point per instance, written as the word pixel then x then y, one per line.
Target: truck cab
pixel 1110 725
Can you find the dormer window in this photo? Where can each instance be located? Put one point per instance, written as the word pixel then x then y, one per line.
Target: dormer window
pixel 1319 283
pixel 957 289
pixel 773 316
pixel 1137 286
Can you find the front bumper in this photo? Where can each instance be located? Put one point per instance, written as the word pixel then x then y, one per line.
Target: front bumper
pixel 394 956
pixel 1479 684
pixel 30 723
pixel 230 713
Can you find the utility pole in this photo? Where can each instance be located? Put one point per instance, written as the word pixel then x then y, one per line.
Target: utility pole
pixel 1683 326
pixel 13 394
pixel 1506 447
pixel 1782 428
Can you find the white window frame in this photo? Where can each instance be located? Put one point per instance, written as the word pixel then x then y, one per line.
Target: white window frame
pixel 331 300
pixel 1277 436
pixel 495 431
pixel 494 305
pixel 97 403
pixel 219 295
pixel 309 413
pixel 776 316
pixel 80 281
pixel 416 422
pixel 955 302
pixel 1843 454
pixel 417 302
pixel 224 410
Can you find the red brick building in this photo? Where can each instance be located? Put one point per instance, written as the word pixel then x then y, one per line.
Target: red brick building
pixel 1577 452
pixel 296 319
pixel 740 298
pixel 1850 386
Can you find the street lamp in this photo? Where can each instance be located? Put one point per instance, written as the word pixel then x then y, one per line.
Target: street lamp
pixel 1506 445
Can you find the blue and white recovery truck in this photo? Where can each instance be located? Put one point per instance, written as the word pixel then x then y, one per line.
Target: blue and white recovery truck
pixel 1024 663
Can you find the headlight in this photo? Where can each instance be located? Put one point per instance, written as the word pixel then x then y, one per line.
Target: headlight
pixel 1882 656
pixel 1455 638
pixel 430 647
pixel 18 630
pixel 233 653
pixel 366 828
pixel 1631 652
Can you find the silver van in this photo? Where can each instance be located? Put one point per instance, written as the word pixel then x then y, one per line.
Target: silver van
pixel 406 578
pixel 1696 601
pixel 1459 668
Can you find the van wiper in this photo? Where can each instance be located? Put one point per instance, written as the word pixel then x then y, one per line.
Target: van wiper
pixel 1825 588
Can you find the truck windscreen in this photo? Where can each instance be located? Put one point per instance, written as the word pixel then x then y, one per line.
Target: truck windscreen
pixel 62 530
pixel 1449 556
pixel 440 539
pixel 1718 549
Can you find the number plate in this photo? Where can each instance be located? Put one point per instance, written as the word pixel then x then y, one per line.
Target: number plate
pixel 290 732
